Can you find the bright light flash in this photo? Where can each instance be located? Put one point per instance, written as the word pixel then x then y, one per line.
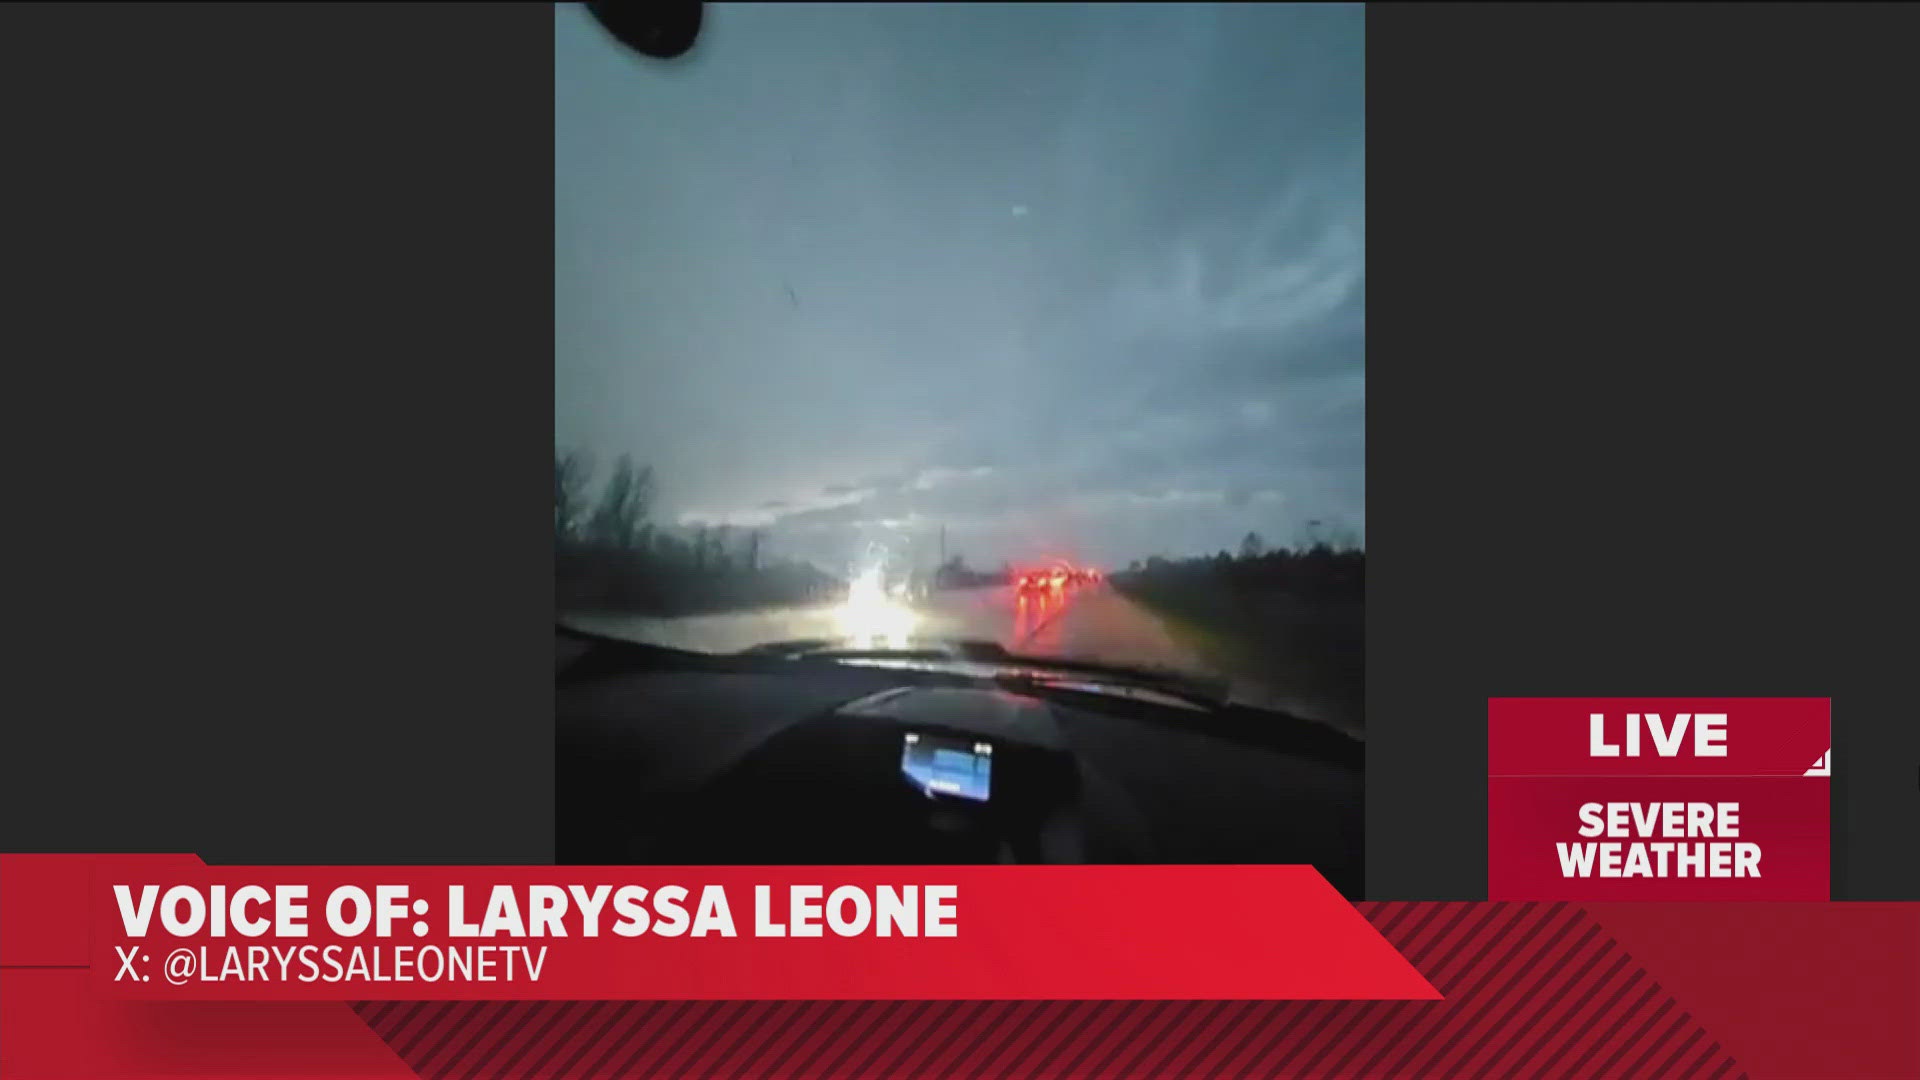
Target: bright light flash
pixel 870 618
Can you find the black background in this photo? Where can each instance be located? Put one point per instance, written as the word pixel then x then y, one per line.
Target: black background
pixel 279 331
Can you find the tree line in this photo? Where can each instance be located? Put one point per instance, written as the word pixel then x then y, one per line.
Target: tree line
pixel 1325 563
pixel 610 551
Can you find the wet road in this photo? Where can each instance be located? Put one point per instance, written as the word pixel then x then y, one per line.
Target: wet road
pixel 1091 622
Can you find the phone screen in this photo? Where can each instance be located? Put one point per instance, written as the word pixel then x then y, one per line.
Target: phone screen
pixel 944 766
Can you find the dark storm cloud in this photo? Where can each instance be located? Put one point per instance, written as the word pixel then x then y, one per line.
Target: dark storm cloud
pixel 1082 281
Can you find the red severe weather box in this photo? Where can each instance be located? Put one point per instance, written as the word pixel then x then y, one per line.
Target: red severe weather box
pixel 1658 798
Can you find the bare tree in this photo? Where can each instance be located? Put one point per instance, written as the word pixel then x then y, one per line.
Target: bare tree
pixel 623 505
pixel 1252 547
pixel 572 471
pixel 670 549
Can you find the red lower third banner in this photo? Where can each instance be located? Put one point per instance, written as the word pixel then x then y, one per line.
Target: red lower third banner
pixel 172 929
pixel 1525 989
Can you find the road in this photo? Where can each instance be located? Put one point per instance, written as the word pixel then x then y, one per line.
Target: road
pixel 1092 622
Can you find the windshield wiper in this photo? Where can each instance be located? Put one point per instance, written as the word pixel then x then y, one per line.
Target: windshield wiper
pixel 974 649
pixel 1161 691
pixel 1017 669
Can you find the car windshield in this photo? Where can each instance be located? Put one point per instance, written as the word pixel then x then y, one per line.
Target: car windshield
pixel 1034 324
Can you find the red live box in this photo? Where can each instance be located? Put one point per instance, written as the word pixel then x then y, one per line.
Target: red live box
pixel 1553 736
pixel 1658 798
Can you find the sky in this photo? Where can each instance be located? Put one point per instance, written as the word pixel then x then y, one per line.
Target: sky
pixel 1068 282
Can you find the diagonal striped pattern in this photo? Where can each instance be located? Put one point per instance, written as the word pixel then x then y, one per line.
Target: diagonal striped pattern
pixel 1532 990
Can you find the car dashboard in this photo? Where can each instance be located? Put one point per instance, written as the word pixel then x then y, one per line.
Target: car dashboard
pixel 908 774
pixel 772 762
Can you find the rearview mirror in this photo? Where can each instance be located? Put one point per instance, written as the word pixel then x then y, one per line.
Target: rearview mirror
pixel 662 31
